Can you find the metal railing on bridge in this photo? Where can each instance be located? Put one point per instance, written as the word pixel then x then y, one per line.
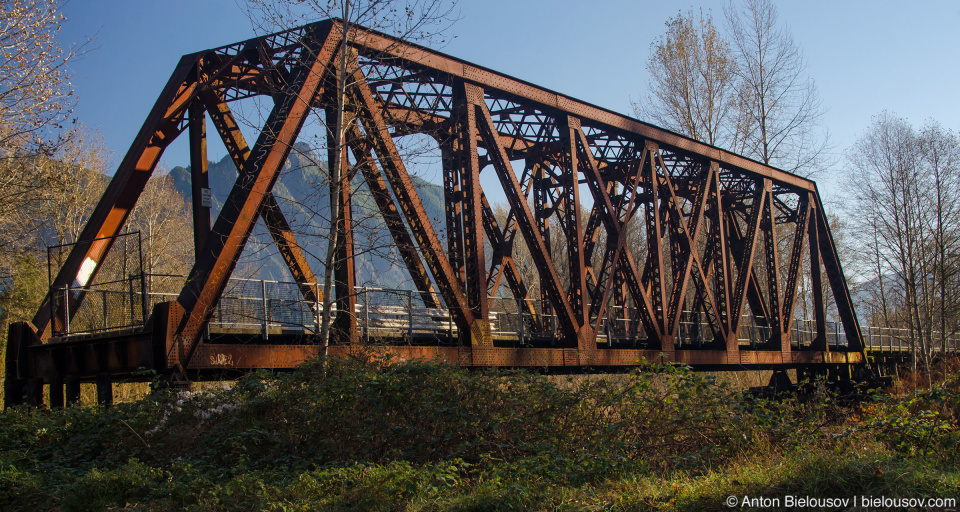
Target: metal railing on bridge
pixel 269 308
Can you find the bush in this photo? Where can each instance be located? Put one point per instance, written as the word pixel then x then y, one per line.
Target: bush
pixel 353 433
pixel 925 422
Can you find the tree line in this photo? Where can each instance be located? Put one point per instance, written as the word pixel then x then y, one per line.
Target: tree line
pixel 53 170
pixel 742 85
pixel 903 185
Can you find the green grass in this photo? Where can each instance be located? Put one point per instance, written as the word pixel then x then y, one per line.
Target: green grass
pixel 355 435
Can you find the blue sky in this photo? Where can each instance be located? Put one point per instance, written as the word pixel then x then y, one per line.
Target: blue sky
pixel 866 57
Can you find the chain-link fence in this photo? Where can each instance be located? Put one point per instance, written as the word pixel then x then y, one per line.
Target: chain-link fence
pixel 106 306
pixel 105 297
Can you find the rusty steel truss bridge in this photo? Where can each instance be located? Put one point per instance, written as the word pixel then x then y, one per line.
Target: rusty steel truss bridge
pixel 669 249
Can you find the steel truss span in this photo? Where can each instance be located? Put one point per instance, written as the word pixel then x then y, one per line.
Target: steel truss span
pixel 631 228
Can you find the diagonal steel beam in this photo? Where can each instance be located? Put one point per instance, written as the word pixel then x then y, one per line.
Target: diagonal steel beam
pixel 209 275
pixel 550 281
pixel 120 197
pixel 745 268
pixel 503 244
pixel 688 242
pixel 280 230
pixel 796 256
pixel 689 234
pixel 704 270
pixel 609 216
pixel 816 277
pixel 361 148
pixel 838 284
pixel 755 297
pixel 382 141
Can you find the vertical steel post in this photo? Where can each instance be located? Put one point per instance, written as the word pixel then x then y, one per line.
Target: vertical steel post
pixel 520 314
pixel 316 309
pixel 366 316
pixel 35 391
pixel 133 312
pixel 53 308
pixel 606 326
pixel 410 316
pixel 72 384
pixel 199 179
pixel 263 296
pixel 104 301
pixel 56 392
pixel 66 310
pixel 105 389
pixel 143 280
pixel 144 303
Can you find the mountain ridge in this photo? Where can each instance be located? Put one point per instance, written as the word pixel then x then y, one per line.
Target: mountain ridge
pixel 303 195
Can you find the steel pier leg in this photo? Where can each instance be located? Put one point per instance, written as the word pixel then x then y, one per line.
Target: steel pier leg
pixel 105 389
pixel 56 392
pixel 12 392
pixel 72 384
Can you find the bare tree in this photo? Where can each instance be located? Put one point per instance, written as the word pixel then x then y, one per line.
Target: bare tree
pixel 64 189
pixel 940 160
pixel 905 186
pixel 779 105
pixel 692 72
pixel 35 91
pixel 423 21
pixel 163 219
pixel 883 171
pixel 35 100
pixel 745 90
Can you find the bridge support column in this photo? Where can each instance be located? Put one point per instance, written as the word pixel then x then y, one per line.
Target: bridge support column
pixel 733 347
pixel 668 345
pixel 72 385
pixel 105 389
pixel 780 382
pixel 12 392
pixel 34 391
pixel 56 392
pixel 841 378
pixel 15 364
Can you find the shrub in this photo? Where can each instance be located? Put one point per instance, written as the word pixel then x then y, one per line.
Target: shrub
pixel 353 433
